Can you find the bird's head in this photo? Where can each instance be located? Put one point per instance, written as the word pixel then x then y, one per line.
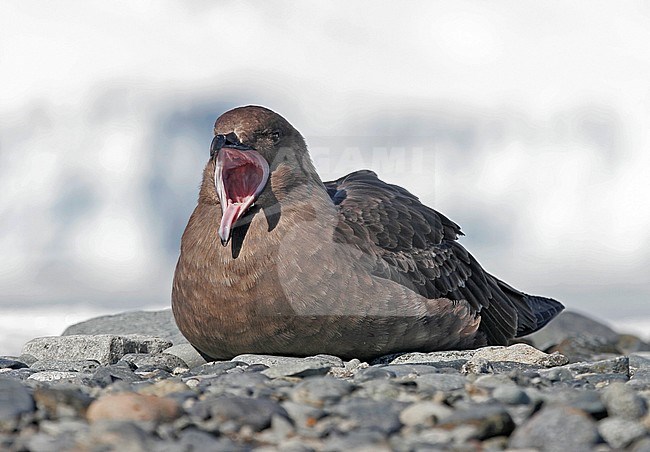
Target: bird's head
pixel 249 144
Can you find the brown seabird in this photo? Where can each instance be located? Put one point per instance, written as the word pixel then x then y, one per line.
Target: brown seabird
pixel 275 261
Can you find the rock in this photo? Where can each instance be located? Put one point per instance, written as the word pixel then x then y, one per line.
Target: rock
pixel 373 373
pixel 105 349
pixel 404 371
pixel 510 395
pixel 302 415
pixel 192 439
pixel 639 361
pixel 570 324
pixel 274 360
pixel 187 353
pixel 240 411
pixel 64 402
pixel 133 407
pixel 585 400
pixel 424 413
pixel 107 375
pixel 480 421
pixel 55 375
pixel 622 401
pixel 556 428
pixel 519 353
pixel 15 401
pixel 440 382
pixel 284 366
pixel 619 432
pixel 87 365
pixel 162 361
pixel 357 441
pixel 454 356
pixel 584 348
pixel 366 414
pixel 320 391
pixel 9 363
pixel 116 436
pixel 618 365
pixel 150 323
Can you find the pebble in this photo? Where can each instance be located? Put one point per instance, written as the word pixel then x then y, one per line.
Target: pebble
pixel 15 400
pixel 132 407
pixel 557 428
pixel 621 400
pixel 619 432
pixel 102 388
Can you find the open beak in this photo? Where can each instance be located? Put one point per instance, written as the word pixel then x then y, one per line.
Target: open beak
pixel 240 176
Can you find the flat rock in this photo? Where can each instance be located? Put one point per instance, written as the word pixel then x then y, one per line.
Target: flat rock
pixel 133 407
pixel 519 353
pixel 85 365
pixel 285 366
pixel 54 375
pixel 150 323
pixel 571 324
pixel 456 356
pixel 103 348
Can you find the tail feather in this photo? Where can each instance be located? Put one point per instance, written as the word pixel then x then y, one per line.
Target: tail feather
pixel 543 309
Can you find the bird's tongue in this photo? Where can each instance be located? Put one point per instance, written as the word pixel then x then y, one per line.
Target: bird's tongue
pixel 239 176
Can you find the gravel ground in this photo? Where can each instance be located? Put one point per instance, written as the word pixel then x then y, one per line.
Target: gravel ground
pixel 100 388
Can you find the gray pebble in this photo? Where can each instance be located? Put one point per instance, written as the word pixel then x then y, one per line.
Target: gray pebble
pixel 107 375
pixel 619 432
pixel 373 373
pixel 188 354
pixel 440 382
pixel 319 391
pixel 15 400
pixel 621 400
pixel 479 421
pixel 510 395
pixel 366 414
pixel 163 361
pixel 556 428
pixel 424 413
pixel 242 411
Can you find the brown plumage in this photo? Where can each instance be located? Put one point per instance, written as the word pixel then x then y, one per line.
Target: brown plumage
pixel 354 267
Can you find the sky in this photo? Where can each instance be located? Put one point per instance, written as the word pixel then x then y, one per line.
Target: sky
pixel 524 122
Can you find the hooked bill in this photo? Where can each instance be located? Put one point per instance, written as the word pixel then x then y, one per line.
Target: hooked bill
pixel 240 176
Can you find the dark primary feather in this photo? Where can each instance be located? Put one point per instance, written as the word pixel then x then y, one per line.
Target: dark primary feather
pixel 417 247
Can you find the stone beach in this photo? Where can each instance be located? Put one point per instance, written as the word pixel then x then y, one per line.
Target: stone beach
pixel 131 382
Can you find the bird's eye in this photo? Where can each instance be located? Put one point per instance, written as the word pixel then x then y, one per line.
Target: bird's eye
pixel 275 136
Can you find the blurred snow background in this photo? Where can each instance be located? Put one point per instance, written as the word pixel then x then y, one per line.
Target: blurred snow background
pixel 527 123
